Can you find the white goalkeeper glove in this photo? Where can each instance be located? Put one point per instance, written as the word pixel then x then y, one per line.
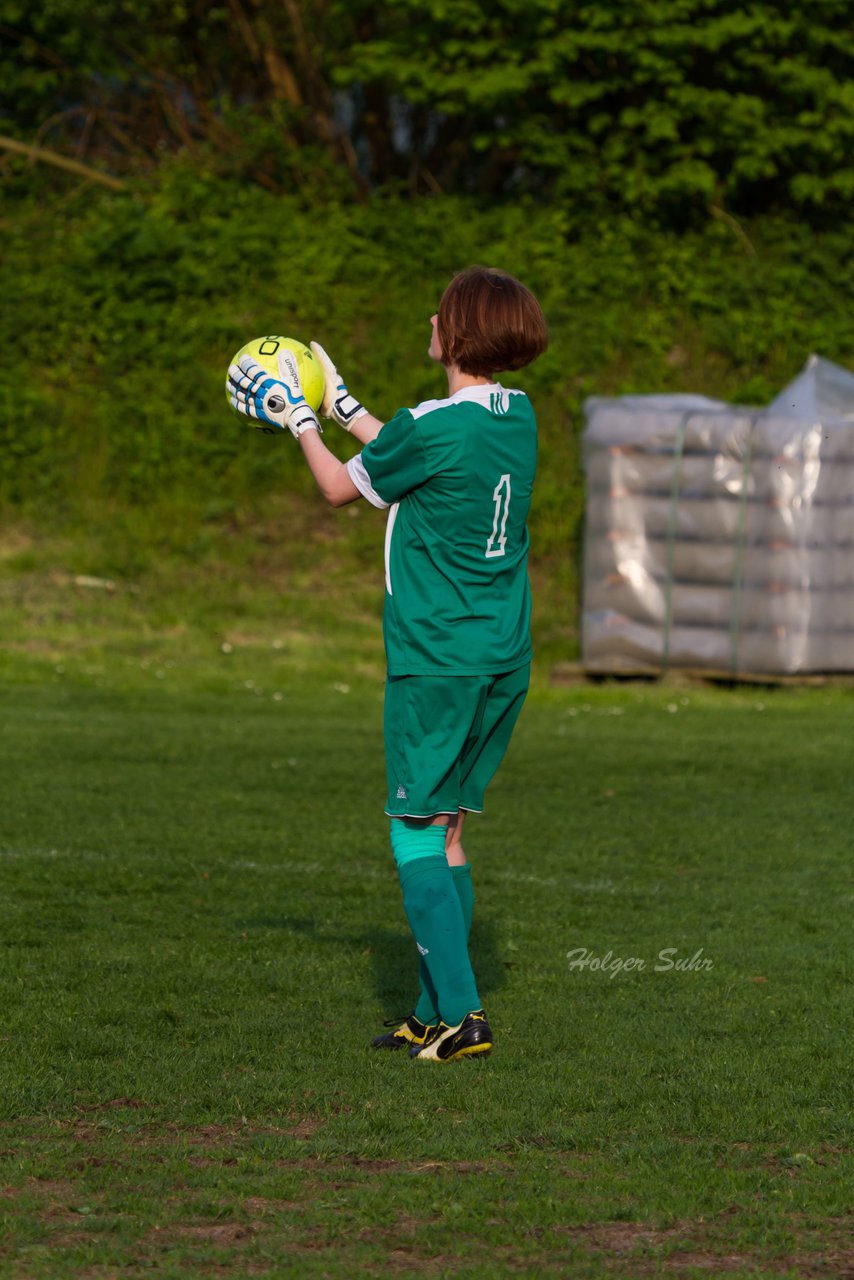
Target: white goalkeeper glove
pixel 276 404
pixel 337 404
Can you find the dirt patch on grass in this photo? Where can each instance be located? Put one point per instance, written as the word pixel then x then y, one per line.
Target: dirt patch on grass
pixel 715 1263
pixel 306 1128
pixel 837 1263
pixel 828 1250
pixel 115 1104
pixel 57 1194
pixel 226 1235
pixel 71 1239
pixel 378 1165
pixel 624 1237
pixel 261 1205
pixel 220 1233
pixel 226 1269
pixel 212 1162
pixel 409 1256
pixel 635 1249
pixel 101 1273
pixel 219 1145
pixel 209 1135
pixel 96 1162
pixel 152 1135
pixel 400 1260
pixel 452 1166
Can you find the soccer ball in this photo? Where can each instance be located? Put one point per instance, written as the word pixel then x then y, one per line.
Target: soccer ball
pixel 265 350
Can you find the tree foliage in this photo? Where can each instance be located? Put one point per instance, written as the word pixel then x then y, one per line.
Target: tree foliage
pixel 641 102
pixel 663 107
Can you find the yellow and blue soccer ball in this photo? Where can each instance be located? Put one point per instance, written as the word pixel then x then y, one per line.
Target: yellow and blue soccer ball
pixel 265 350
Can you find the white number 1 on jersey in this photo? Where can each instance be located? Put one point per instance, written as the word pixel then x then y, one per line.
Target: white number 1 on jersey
pixel 502 489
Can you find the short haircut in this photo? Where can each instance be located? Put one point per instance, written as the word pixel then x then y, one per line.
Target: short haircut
pixel 489 321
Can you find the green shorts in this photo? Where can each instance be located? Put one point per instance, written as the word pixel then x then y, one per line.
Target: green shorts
pixel 445 736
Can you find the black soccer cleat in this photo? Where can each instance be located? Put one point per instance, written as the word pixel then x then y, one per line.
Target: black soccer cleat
pixel 410 1034
pixel 472 1037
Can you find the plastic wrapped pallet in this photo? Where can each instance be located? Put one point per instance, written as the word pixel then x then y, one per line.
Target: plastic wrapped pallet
pixel 720 538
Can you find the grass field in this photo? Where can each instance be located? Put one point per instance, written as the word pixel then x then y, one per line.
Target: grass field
pixel 202 929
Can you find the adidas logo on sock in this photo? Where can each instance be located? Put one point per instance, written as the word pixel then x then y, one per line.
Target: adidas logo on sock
pixel 422 950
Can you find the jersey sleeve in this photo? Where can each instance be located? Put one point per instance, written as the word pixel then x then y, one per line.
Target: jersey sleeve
pixel 395 462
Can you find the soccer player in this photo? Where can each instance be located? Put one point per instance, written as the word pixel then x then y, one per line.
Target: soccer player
pixel 456 475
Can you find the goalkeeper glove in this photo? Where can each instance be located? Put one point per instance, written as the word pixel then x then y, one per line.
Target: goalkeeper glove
pixel 337 401
pixel 275 403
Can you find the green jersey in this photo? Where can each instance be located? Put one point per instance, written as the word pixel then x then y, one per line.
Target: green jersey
pixel 457 477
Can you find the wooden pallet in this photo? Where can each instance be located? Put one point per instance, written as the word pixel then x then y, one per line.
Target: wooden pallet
pixel 570 673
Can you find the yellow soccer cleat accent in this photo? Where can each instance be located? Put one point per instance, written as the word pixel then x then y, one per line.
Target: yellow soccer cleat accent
pixel 411 1033
pixel 472 1037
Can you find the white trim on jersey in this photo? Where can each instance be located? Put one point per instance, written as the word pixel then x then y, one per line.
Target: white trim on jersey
pixel 392 516
pixel 491 395
pixel 357 472
pixel 434 813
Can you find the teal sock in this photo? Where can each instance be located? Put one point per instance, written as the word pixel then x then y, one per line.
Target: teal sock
pixel 465 892
pixel 427 1007
pixel 436 918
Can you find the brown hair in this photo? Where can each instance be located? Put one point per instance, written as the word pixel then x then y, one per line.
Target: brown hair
pixel 489 321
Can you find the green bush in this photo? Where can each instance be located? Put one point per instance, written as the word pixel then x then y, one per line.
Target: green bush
pixel 127 309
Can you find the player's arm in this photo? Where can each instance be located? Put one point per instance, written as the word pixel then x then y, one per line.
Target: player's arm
pixel 340 405
pixel 332 476
pixel 367 428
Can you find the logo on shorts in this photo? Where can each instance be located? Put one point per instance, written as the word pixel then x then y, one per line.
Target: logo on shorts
pixel 401 792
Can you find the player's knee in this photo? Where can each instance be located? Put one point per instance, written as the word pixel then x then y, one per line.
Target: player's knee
pixel 416 838
pixel 454 851
pixel 455 854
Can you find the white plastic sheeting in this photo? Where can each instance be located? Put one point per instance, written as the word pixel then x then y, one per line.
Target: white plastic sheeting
pixel 720 538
